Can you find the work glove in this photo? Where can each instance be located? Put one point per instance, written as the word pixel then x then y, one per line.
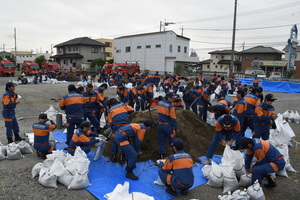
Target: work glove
pixel 139 98
pixel 117 96
pixel 274 116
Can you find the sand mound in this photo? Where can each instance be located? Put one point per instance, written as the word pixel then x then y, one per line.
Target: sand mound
pixel 71 77
pixel 196 134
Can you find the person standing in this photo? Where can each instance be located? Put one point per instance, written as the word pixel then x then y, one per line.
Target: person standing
pixel 140 96
pixel 9 102
pixel 122 93
pixel 255 81
pixel 264 118
pixel 177 171
pixel 41 131
pixel 150 92
pixel 167 124
pixel 72 104
pixel 136 131
pixel 204 101
pixel 82 138
pixel 269 159
pixel 240 106
pixel 117 118
pixel 100 90
pixel 227 130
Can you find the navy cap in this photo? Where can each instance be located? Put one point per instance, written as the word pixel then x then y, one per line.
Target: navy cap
pixel 9 84
pixel 227 120
pixel 85 124
pixel 148 122
pixel 71 87
pixel 170 94
pixel 243 142
pixel 89 85
pixel 178 143
pixel 241 91
pixel 270 97
pixel 43 116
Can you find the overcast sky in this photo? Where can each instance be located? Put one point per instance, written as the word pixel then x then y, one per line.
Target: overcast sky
pixel 40 23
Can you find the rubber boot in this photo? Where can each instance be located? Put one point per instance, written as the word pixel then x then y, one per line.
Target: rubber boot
pixel 130 174
pixel 18 138
pixel 10 140
pixel 271 182
pixel 170 190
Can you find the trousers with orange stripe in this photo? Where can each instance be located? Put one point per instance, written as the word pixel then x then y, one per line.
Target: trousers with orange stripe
pixel 164 131
pixel 127 149
pixel 11 123
pixel 259 172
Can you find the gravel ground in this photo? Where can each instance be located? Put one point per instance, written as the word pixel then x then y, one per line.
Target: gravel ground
pixel 15 175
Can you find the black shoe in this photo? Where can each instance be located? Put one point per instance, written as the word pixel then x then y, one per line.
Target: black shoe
pixel 171 191
pixel 38 153
pixel 10 140
pixel 271 182
pixel 113 158
pixel 122 160
pixel 131 176
pixel 18 138
pixel 185 192
pixel 44 154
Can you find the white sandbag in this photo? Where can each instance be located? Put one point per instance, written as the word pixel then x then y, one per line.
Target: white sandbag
pixel 255 191
pixel 66 178
pixel 119 193
pixel 47 163
pixel 52 141
pixel 218 89
pixel 211 117
pixel 291 116
pixel 100 149
pixel 286 114
pixel 216 176
pixel 3 149
pixel 46 179
pixel 81 179
pixel 297 117
pixel 36 169
pixel 206 170
pixel 57 154
pixel 13 152
pixel 241 195
pixel 102 120
pixel 25 147
pixel 51 113
pixel 226 197
pixel 71 165
pixel 284 150
pixel 79 153
pixel 245 180
pixel 30 137
pixel 57 168
pixel 236 159
pixel 230 182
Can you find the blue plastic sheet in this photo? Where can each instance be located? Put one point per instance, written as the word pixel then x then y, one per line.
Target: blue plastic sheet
pixel 105 175
pixel 274 86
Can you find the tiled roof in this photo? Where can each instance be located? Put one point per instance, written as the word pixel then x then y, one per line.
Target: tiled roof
pixel 81 41
pixel 261 49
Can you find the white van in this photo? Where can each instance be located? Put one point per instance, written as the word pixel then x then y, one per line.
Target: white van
pixel 249 73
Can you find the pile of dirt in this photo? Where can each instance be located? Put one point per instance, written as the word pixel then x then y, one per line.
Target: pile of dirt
pixel 71 77
pixel 196 134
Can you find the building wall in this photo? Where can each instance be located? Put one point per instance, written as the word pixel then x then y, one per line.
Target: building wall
pixel 108 50
pixel 151 51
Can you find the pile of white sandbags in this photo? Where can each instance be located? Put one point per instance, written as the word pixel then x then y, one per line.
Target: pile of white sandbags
pixel 14 151
pixel 51 113
pixel 71 171
pixel 253 192
pixel 225 175
pixel 291 116
pixel 280 138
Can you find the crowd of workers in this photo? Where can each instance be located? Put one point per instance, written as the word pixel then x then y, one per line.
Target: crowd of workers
pixel 84 109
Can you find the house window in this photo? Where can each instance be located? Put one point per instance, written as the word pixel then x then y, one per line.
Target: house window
pixel 76 48
pixel 185 50
pixel 118 51
pixel 179 49
pixel 65 62
pixel 148 46
pixel 216 66
pixel 59 50
pixel 222 57
pixel 108 54
pixel 127 49
pixel 216 56
pixel 108 44
pixel 221 66
pixel 94 49
pixel 139 47
pixel 69 49
pixel 158 46
pixel 208 66
pixel 170 48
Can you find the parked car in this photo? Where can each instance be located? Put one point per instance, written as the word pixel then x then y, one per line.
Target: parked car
pixel 249 73
pixel 275 75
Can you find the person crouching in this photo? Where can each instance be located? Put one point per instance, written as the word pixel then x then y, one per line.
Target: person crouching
pixel 41 132
pixel 82 138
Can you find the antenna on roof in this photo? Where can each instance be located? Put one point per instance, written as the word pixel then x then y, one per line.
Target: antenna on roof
pixel 164 24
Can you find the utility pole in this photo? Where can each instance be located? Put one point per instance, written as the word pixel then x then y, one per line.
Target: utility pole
pixel 181 30
pixel 3 47
pixel 164 24
pixel 15 34
pixel 233 40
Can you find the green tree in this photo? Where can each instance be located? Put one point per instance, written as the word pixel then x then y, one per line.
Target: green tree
pixel 1 58
pixel 290 73
pixel 110 61
pixel 179 69
pixel 97 62
pixel 39 60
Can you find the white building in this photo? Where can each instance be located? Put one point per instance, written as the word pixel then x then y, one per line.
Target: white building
pixel 158 51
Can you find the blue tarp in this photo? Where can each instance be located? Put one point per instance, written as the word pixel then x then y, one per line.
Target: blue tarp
pixel 105 175
pixel 274 86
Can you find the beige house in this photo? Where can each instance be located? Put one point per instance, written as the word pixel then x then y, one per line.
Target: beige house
pixel 109 47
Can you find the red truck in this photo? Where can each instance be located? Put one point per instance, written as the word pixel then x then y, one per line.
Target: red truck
pixel 107 68
pixel 53 66
pixel 7 68
pixel 127 68
pixel 29 66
